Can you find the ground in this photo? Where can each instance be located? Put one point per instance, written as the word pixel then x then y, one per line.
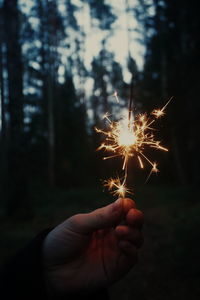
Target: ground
pixel 169 264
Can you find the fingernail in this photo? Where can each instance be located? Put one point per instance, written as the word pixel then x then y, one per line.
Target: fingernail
pixel 117 204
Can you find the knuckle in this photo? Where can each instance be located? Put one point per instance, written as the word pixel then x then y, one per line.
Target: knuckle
pixel 75 220
pixel 130 203
pixel 139 213
pixel 100 218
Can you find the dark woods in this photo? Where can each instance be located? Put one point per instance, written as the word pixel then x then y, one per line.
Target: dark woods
pixel 47 114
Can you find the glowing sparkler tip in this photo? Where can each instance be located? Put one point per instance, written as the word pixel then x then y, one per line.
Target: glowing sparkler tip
pixel 116 187
pixel 121 191
pixel 128 138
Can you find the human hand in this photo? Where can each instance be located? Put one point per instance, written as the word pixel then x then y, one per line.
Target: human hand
pixel 90 251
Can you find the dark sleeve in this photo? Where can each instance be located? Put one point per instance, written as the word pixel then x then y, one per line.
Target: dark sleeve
pixel 22 277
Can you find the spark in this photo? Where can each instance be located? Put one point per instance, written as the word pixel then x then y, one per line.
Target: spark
pixel 153 170
pixel 161 112
pixel 140 162
pixel 129 138
pixel 117 187
pixel 116 96
pixel 106 117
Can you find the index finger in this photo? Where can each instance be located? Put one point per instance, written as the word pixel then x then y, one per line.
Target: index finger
pixel 127 204
pixel 135 218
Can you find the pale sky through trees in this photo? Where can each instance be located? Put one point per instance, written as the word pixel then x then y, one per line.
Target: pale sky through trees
pixel 120 40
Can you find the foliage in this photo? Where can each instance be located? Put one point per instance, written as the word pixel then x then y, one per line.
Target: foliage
pixel 47 114
pixel 51 99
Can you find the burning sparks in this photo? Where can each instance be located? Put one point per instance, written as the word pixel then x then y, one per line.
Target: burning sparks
pixel 116 96
pixel 129 138
pixel 160 112
pixel 116 187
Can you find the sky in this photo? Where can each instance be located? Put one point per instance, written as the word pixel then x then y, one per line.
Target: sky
pixel 119 43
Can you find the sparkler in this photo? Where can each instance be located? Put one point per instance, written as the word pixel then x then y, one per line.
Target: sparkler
pixel 127 138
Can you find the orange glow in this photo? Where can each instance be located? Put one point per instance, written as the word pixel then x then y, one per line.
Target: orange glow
pixel 130 138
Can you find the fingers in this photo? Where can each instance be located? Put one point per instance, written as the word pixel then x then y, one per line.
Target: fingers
pixel 127 204
pixel 105 217
pixel 129 249
pixel 127 259
pixel 130 231
pixel 130 234
pixel 135 218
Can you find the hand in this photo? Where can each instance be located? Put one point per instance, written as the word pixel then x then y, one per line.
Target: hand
pixel 90 251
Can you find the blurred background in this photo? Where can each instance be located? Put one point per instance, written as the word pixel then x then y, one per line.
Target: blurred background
pixel 60 64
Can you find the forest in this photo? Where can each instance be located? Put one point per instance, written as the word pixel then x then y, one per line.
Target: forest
pixel 55 85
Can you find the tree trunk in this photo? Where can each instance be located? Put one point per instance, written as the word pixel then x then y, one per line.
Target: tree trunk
pixel 16 154
pixel 2 82
pixel 51 135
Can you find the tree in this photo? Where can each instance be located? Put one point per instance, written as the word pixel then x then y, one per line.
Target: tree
pixel 172 46
pixel 51 32
pixel 2 79
pixel 72 150
pixel 16 181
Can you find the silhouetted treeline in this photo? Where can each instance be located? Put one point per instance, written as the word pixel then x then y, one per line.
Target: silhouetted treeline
pixel 47 115
pixel 171 68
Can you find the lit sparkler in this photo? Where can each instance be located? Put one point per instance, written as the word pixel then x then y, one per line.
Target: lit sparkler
pixel 129 138
pixel 116 96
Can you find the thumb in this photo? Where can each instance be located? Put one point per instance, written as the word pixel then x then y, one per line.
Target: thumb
pixel 100 218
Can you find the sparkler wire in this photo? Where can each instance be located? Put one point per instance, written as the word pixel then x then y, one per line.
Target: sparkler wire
pixel 129 138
